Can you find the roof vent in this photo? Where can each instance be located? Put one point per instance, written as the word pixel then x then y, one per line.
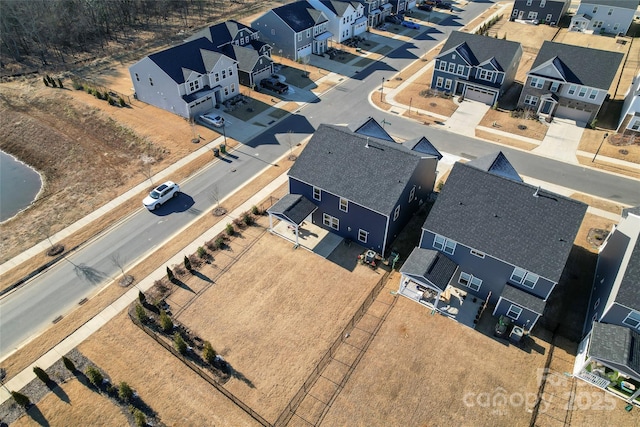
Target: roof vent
pixel 367 144
pixel 537 191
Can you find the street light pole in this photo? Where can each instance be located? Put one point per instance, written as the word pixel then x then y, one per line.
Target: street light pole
pixel 382 90
pixel 599 147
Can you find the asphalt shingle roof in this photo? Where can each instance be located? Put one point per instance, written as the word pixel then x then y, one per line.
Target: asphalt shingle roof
pixel 368 171
pixel 431 266
pixel 294 207
pixel 616 344
pixel 222 33
pixel 299 15
pixel 629 291
pixel 496 163
pixel 186 56
pixel 515 222
pixel 625 4
pixel 576 64
pixel 480 49
pixel 337 7
pixel 523 299
pixel 422 145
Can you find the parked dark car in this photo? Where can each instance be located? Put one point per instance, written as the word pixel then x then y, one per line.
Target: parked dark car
pixel 425 7
pixel 443 5
pixel 393 19
pixel 274 85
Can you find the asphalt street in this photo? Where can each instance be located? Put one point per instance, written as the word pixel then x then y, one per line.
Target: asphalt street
pixel 30 309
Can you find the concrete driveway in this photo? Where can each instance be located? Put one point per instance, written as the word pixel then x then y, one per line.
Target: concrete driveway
pixel 467 117
pixel 562 140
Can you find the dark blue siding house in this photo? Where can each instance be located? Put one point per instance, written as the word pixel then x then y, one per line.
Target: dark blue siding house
pixel 477 67
pixel 609 355
pixel 365 188
pixel 510 241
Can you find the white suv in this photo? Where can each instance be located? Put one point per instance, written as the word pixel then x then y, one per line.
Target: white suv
pixel 161 194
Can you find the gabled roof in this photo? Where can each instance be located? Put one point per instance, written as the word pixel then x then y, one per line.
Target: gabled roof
pixel 624 4
pixel 373 129
pixel 429 266
pixel 177 61
pixel 246 56
pixel 478 49
pixel 523 299
pixel 222 33
pixel 337 7
pixel 616 344
pixel 293 207
pixel 497 164
pixel 368 171
pixel 515 222
pixel 422 145
pixel 299 15
pixel 575 64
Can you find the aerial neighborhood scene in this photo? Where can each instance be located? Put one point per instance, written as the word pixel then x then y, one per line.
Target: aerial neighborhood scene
pixel 320 213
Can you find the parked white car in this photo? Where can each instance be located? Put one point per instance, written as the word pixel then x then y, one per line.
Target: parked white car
pixel 217 121
pixel 160 195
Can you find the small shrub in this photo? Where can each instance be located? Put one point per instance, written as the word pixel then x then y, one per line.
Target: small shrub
pixel 248 219
pixel 179 270
pixel 440 185
pixel 254 210
pixel 208 353
pixel 202 253
pixel 196 261
pixel 112 390
pixel 219 243
pixel 165 322
pixel 138 417
pixel 179 343
pixel 125 392
pixel 111 101
pixel 94 375
pixel 211 245
pixel 495 105
pixel 21 399
pixel 97 94
pixel 170 275
pixel 141 314
pixel 89 90
pixel 229 229
pixel 187 263
pixel 68 363
pixel 77 85
pixel 122 102
pixel 41 374
pixel 238 223
pixel 593 123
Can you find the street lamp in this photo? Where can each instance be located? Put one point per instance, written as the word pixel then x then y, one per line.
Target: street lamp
pixel 599 147
pixel 382 90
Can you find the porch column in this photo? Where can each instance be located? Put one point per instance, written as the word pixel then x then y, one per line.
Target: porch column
pixel 296 235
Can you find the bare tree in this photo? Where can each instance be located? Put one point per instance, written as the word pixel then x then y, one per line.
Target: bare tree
pixel 147 163
pixel 117 260
pixel 214 196
pixel 291 144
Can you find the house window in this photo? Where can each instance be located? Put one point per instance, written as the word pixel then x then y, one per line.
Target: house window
pixel 477 253
pixel 514 312
pixel 469 281
pixel 226 91
pixel 231 71
pixel 396 212
pixel 518 275
pixel 529 2
pixel 543 3
pixel 615 28
pixel 531 100
pixel 412 194
pixel 549 17
pixel 452 67
pixel 572 89
pixel 246 39
pixel 532 15
pixel 515 12
pixel 233 87
pixel 596 304
pixel 443 244
pixel 217 77
pixel 447 84
pixel 593 93
pixel 224 74
pixel 330 221
pixel 486 75
pixel 537 83
pixel 635 124
pixel 583 92
pixel 530 280
pixel 344 205
pixel 554 87
pixel 460 69
pixel 308 33
pixel 299 37
pixel 443 65
pixel 610 12
pixel 597 24
pixel 439 82
pixel 632 319
pixel 193 86
pixel 137 77
pixel 363 235
pixel 150 81
pixel 316 194
pixel 595 9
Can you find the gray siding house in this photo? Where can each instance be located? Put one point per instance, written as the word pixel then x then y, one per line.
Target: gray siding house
pixel 477 67
pixel 241 43
pixel 365 188
pixel 563 81
pixel 295 30
pixel 188 79
pixel 630 116
pixel 509 241
pixel 346 19
pixel 609 355
pixel 604 16
pixel 539 11
pixel 374 10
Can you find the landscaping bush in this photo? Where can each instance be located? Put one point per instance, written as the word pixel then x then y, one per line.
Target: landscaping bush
pixel 41 374
pixel 238 223
pixel 248 219
pixel 179 343
pixel 195 261
pixel 125 392
pixel 138 417
pixel 208 353
pixel 219 242
pixel 230 230
pixel 20 399
pixel 78 85
pixel 141 314
pixel 202 253
pixel 170 275
pixel 165 322
pixel 179 270
pixel 94 375
pixel 122 102
pixel 142 298
pixel 187 263
pixel 255 210
pixel 111 101
pixel 68 364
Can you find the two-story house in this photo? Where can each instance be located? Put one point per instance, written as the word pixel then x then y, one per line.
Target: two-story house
pixel 295 30
pixel 188 79
pixel 630 116
pixel 497 239
pixel 346 19
pixel 604 16
pixel 374 10
pixel 563 81
pixel 609 355
pixel 477 67
pixel 363 188
pixel 399 6
pixel 542 11
pixel 241 43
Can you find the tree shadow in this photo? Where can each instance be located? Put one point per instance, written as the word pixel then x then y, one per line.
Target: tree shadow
pixel 201 276
pixel 182 285
pixel 58 391
pixel 90 274
pixel 37 416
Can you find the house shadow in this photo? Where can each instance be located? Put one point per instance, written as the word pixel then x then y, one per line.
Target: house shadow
pixel 487 323
pixel 37 416
pixel 346 255
pixel 296 125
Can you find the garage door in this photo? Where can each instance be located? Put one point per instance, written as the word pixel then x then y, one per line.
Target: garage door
pixel 480 95
pixel 572 114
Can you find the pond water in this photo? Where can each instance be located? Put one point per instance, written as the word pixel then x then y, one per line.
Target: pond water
pixel 19 186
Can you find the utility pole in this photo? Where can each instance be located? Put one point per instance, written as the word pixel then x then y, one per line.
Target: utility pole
pixel 599 147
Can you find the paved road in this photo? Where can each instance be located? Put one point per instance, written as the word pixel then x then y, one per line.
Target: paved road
pixel 30 309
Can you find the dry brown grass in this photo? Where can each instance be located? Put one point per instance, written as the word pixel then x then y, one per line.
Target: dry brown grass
pixel 598 203
pixel 411 96
pixel 589 222
pixel 500 139
pixel 591 140
pixel 505 123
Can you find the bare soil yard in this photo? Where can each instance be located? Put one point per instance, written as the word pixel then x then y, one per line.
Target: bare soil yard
pixel 502 121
